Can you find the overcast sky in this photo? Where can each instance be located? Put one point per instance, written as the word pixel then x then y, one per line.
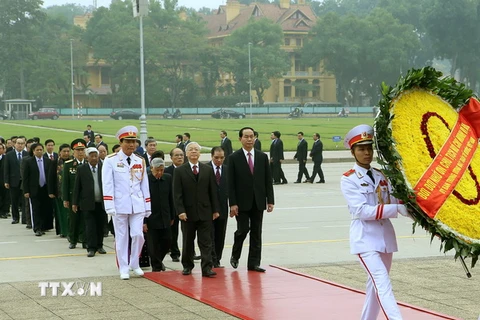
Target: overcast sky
pixel 187 3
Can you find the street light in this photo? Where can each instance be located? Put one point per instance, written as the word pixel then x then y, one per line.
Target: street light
pixel 140 9
pixel 250 77
pixel 72 83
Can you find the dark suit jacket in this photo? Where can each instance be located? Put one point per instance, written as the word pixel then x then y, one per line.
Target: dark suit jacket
pixel 317 151
pixel 243 187
pixel 170 170
pixel 181 145
pixel 83 192
pixel 11 172
pixel 91 134
pixel 226 144
pixel 102 143
pixel 302 148
pixel 197 198
pixel 276 150
pixel 147 160
pixel 46 157
pixel 222 189
pixel 31 175
pixel 90 144
pixel 161 193
pixel 2 165
pixel 257 145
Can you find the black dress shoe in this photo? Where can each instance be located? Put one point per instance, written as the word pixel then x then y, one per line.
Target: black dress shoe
pixel 156 270
pixel 256 268
pixel 209 274
pixel 298 182
pixel 28 226
pixel 72 246
pixel 162 267
pixel 234 262
pixel 197 257
pixel 14 221
pixel 218 265
pixel 175 259
pixel 43 232
pixel 186 271
pixel 91 253
pixel 38 233
pixel 285 182
pixel 101 251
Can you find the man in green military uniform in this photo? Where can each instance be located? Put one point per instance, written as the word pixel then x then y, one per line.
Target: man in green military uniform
pixel 76 223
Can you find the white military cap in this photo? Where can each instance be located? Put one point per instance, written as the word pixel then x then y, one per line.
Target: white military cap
pixel 128 132
pixel 91 149
pixel 361 134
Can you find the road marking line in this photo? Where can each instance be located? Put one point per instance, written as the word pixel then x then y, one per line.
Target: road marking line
pixel 228 246
pixel 8 242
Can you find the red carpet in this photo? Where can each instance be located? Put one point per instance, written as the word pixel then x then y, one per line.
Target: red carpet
pixel 277 294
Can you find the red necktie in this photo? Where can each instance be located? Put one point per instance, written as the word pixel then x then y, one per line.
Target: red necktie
pixel 250 162
pixel 51 157
pixel 195 172
pixel 217 175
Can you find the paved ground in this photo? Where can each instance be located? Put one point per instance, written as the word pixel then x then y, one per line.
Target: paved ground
pixel 308 232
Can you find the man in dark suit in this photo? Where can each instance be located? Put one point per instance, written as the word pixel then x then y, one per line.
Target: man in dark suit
pixel 13 180
pixel 89 132
pixel 317 157
pixel 196 203
pixel 257 144
pixel 4 195
pixel 276 158
pixel 88 198
pixel 250 192
pixel 157 226
pixel 49 153
pixel 176 154
pixel 99 141
pixel 151 147
pixel 186 141
pixel 301 156
pixel 179 142
pixel 88 142
pixel 219 224
pixel 226 145
pixel 35 173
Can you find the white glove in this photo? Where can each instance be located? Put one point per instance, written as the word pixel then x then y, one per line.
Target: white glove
pixel 111 212
pixel 403 210
pixel 148 213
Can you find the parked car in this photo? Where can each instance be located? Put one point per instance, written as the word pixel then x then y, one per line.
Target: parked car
pixel 227 114
pixel 44 113
pixel 3 115
pixel 125 114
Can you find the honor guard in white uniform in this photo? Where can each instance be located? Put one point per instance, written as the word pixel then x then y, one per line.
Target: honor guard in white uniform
pixel 372 237
pixel 126 196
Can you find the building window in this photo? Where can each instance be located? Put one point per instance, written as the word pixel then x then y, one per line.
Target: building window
pixel 299 42
pixel 287 88
pixel 287 41
pixel 301 90
pixel 316 89
pixel 105 75
pixel 299 66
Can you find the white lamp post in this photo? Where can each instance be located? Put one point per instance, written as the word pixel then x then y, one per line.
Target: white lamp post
pixel 72 83
pixel 250 78
pixel 140 9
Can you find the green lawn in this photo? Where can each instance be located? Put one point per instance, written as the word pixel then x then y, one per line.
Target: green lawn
pixel 205 131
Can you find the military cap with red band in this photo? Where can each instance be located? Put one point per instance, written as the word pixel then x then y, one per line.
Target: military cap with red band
pixel 361 134
pixel 78 144
pixel 128 132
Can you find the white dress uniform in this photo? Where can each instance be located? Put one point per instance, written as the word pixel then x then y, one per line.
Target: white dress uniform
pixel 372 236
pixel 126 197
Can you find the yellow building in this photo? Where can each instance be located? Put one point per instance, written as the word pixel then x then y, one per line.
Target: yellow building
pixel 94 88
pixel 300 84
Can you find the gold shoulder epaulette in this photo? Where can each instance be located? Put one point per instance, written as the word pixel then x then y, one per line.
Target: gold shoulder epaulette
pixel 349 172
pixel 68 161
pixel 111 155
